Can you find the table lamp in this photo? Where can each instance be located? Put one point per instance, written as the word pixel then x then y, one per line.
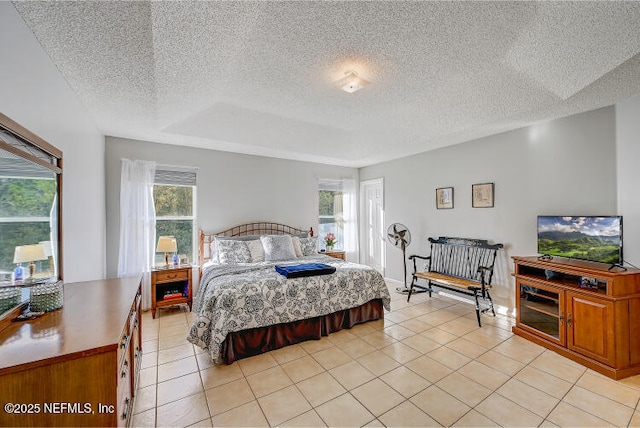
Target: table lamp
pixel 24 254
pixel 166 245
pixel 48 251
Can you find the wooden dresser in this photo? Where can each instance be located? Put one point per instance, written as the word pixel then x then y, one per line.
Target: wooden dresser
pixel 78 365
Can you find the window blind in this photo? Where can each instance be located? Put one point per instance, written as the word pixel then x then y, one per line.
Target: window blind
pixel 17 167
pixel 175 175
pixel 330 185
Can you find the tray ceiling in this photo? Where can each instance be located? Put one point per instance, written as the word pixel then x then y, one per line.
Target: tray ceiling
pixel 257 77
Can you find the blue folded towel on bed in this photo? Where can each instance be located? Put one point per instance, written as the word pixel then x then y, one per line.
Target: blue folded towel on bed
pixel 305 269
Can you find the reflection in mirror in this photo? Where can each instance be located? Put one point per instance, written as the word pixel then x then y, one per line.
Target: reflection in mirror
pixel 30 174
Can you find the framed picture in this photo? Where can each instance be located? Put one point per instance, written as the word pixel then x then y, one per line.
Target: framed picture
pixel 482 195
pixel 444 198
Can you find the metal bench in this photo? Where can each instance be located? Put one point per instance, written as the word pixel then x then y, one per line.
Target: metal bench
pixel 461 265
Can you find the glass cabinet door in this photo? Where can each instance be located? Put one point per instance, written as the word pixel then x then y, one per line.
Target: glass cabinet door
pixel 540 310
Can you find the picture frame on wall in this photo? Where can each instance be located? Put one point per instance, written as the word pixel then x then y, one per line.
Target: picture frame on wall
pixel 482 195
pixel 444 198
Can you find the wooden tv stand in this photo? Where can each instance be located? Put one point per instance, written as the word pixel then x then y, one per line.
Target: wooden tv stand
pixel 582 311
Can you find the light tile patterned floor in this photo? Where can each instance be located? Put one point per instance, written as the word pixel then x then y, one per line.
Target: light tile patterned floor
pixel 426 364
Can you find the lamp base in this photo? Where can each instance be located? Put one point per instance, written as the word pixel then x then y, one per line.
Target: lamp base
pixel 32 269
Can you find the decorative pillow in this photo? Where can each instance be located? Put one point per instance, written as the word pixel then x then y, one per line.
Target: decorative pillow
pixel 213 246
pixel 296 246
pixel 309 246
pixel 278 247
pixel 256 250
pixel 233 252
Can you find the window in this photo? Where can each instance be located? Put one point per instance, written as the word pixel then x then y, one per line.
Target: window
pixel 174 196
pixel 331 216
pixel 25 209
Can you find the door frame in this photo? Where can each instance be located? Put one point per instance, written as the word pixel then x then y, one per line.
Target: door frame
pixel 364 237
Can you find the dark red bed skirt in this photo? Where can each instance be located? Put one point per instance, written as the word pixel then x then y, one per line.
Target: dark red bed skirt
pixel 256 341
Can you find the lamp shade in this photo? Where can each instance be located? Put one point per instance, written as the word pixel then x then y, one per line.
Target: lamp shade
pixel 167 244
pixel 48 248
pixel 29 253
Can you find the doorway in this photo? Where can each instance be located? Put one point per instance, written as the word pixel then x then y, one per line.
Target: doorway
pixel 372 229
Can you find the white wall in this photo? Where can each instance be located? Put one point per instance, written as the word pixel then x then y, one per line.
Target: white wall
pixel 566 166
pixel 628 153
pixel 35 95
pixel 232 188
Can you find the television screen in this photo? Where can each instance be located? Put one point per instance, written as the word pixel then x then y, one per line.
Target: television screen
pixel 597 239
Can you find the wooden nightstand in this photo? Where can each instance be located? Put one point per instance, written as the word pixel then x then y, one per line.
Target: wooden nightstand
pixel 170 286
pixel 335 254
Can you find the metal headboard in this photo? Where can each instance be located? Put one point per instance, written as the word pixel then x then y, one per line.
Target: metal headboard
pixel 253 228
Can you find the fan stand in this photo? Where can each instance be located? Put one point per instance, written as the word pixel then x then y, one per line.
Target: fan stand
pixel 404 290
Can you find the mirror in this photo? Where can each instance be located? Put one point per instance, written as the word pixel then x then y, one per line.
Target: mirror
pixel 30 213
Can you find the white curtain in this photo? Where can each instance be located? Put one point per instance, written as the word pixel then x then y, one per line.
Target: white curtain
pixel 350 214
pixel 137 223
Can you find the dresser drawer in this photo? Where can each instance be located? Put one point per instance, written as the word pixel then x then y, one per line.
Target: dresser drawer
pixel 123 344
pixel 172 275
pixel 125 399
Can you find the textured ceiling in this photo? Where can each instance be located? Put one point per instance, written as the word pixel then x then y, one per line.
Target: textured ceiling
pixel 257 77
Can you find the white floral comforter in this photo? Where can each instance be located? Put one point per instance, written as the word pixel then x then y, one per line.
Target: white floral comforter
pixel 239 297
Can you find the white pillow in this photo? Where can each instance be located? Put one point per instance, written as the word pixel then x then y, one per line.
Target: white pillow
pixel 296 246
pixel 278 247
pixel 213 248
pixel 233 252
pixel 256 250
pixel 309 246
pixel 213 245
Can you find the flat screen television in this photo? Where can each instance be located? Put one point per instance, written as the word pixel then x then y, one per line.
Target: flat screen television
pixel 597 239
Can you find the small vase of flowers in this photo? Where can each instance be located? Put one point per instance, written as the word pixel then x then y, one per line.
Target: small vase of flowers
pixel 330 241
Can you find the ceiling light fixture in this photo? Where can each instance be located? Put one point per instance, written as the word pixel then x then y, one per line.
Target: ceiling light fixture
pixel 351 82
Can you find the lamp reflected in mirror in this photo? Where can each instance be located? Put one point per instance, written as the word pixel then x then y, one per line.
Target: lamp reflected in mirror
pixel 27 254
pixel 30 216
pixel 48 252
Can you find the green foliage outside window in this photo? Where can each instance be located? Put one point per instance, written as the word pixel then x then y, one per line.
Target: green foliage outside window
pixel 182 230
pixel 326 202
pixel 330 217
pixel 24 197
pixel 174 217
pixel 173 200
pixel 21 201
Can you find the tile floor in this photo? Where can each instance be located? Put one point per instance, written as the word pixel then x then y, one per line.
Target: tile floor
pixel 426 364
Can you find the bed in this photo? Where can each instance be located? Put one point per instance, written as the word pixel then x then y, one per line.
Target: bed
pixel 244 307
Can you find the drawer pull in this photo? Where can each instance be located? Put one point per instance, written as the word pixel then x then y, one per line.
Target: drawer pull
pixel 172 276
pixel 125 370
pixel 125 412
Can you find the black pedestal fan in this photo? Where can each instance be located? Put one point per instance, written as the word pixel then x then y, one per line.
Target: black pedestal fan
pixel 400 237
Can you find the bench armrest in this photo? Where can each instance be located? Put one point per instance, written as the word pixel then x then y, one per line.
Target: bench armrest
pixel 414 257
pixel 483 269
